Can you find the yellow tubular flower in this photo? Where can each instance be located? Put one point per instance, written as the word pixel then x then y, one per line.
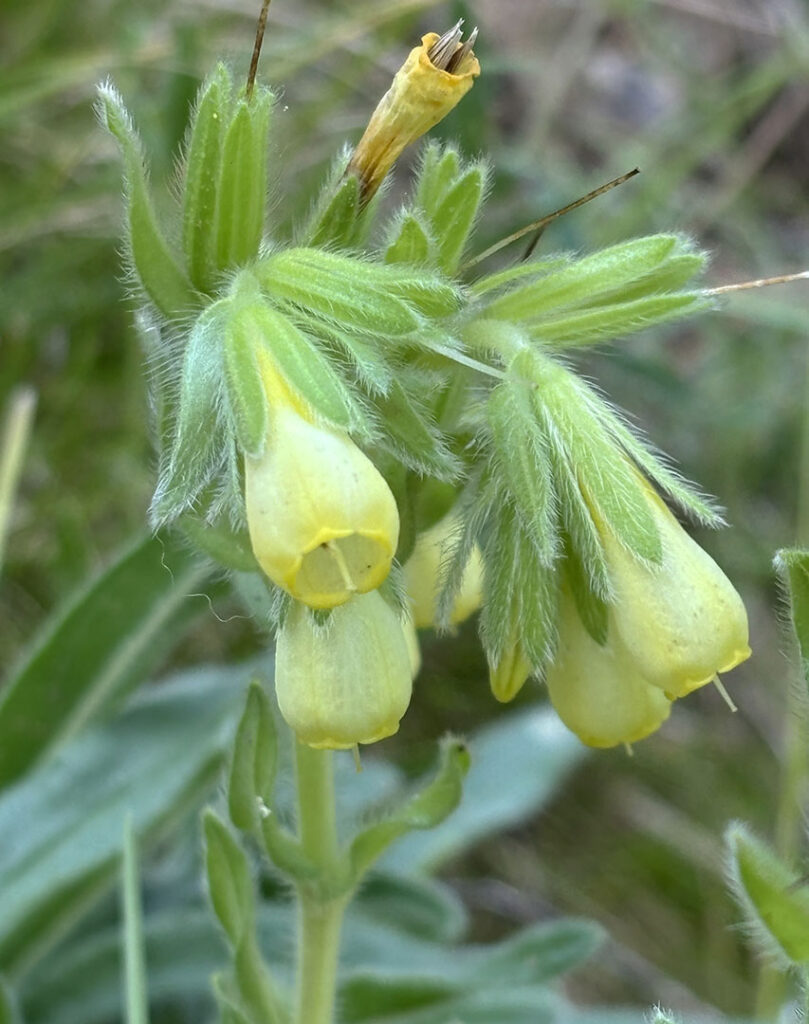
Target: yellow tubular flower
pixel 599 692
pixel 422 575
pixel 347 682
pixel 323 523
pixel 434 78
pixel 682 621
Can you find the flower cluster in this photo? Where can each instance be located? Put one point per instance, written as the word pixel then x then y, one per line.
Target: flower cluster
pixel 390 444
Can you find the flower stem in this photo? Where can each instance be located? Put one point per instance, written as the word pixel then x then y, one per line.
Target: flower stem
pixel 320 914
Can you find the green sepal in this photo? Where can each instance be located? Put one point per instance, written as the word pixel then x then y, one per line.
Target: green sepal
pixel 305 368
pixel 520 593
pixel 244 389
pixel 792 565
pixel 342 290
pixel 521 460
pixel 336 217
pixel 160 275
pixel 243 181
pixel 440 166
pixel 426 809
pixel 591 326
pixel 198 436
pixel 254 764
pixel 610 485
pixel 425 293
pixel 202 174
pixel 586 280
pixel 410 242
pixel 592 608
pixel 363 355
pixel 775 898
pixel 455 217
pixel 410 435
pixel 221 542
pixel 230 884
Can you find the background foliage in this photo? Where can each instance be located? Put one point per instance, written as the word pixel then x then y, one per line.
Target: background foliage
pixel 711 99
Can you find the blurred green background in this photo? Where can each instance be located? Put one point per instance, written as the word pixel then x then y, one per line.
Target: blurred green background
pixel 710 98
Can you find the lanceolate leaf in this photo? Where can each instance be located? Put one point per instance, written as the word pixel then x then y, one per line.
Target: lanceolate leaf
pixel 351 293
pixel 243 182
pixel 583 281
pixel 775 898
pixel 410 244
pixel 109 638
pixel 199 437
pixel 335 219
pixel 246 398
pixel 202 170
pixel 155 762
pixel 455 217
pixel 621 318
pixel 157 269
pixel 412 437
pixel 439 168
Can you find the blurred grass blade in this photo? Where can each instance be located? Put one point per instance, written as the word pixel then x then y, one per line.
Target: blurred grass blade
pixel 137 999
pixel 19 420
pixel 112 635
pixel 156 761
pixel 792 565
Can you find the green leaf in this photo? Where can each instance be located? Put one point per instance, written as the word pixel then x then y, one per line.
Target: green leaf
pixel 530 269
pixel 517 765
pixel 610 485
pixel 255 761
pixel 137 993
pixel 409 243
pixel 229 882
pixel 425 810
pixel 155 761
pixel 608 322
pixel 9 1009
pixel 520 592
pixel 440 167
pixel 774 897
pixel 110 637
pixel 585 280
pixel 244 388
pixel 593 610
pixel 672 275
pixel 418 905
pixel 243 182
pixel 521 461
pixel 336 217
pixel 159 273
pixel 455 217
pixel 308 371
pixel 202 172
pixel 792 565
pixel 220 542
pixel 199 436
pixel 411 437
pixel 343 290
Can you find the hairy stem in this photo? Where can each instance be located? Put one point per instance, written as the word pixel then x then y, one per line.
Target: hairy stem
pixel 320 915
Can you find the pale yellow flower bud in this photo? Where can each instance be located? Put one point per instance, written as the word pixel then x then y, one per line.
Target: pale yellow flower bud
pixel 434 78
pixel 346 682
pixel 599 692
pixel 323 523
pixel 681 621
pixel 422 575
pixel 507 677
